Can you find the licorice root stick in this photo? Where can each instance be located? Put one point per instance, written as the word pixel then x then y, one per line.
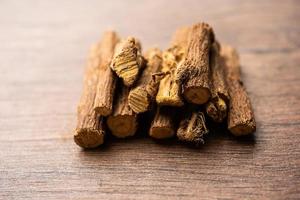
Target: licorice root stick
pixel 143 94
pixel 192 128
pixel 106 86
pixel 90 127
pixel 164 123
pixel 123 121
pixel 169 90
pixel 127 60
pixel 241 119
pixel 217 106
pixel 193 74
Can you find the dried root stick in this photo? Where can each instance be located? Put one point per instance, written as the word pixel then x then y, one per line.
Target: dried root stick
pixel 123 121
pixel 241 119
pixel 93 135
pixel 90 130
pixel 143 94
pixel 103 104
pixel 169 90
pixel 193 73
pixel 217 106
pixel 127 60
pixel 164 123
pixel 192 128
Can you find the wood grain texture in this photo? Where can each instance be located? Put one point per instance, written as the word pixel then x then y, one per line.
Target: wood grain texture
pixel 42 54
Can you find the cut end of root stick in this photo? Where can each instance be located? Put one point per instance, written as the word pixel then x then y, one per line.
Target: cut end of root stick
pixel 122 126
pixel 89 138
pixel 217 110
pixel 192 129
pixel 197 95
pixel 161 132
pixel 168 93
pixel 127 60
pixel 139 100
pixel 241 129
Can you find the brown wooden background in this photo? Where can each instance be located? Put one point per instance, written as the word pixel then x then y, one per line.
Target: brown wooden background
pixel 43 47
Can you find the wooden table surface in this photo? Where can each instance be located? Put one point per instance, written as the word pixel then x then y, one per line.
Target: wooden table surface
pixel 43 49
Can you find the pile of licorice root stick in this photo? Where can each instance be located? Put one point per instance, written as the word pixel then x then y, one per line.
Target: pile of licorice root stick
pixel 194 79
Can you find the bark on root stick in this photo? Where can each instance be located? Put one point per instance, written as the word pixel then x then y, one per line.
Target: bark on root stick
pixel 192 128
pixel 123 121
pixel 217 106
pixel 90 130
pixel 164 123
pixel 193 73
pixel 128 61
pixel 169 90
pixel 240 117
pixel 143 94
pixel 107 78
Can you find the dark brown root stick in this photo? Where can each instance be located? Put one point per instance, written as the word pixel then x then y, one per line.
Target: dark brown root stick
pixel 241 119
pixel 193 73
pixel 217 106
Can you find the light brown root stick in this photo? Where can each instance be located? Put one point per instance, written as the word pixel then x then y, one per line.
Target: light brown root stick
pixel 192 128
pixel 169 90
pixel 217 106
pixel 141 97
pixel 241 119
pixel 107 79
pixel 89 130
pixel 164 123
pixel 123 121
pixel 193 73
pixel 127 60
